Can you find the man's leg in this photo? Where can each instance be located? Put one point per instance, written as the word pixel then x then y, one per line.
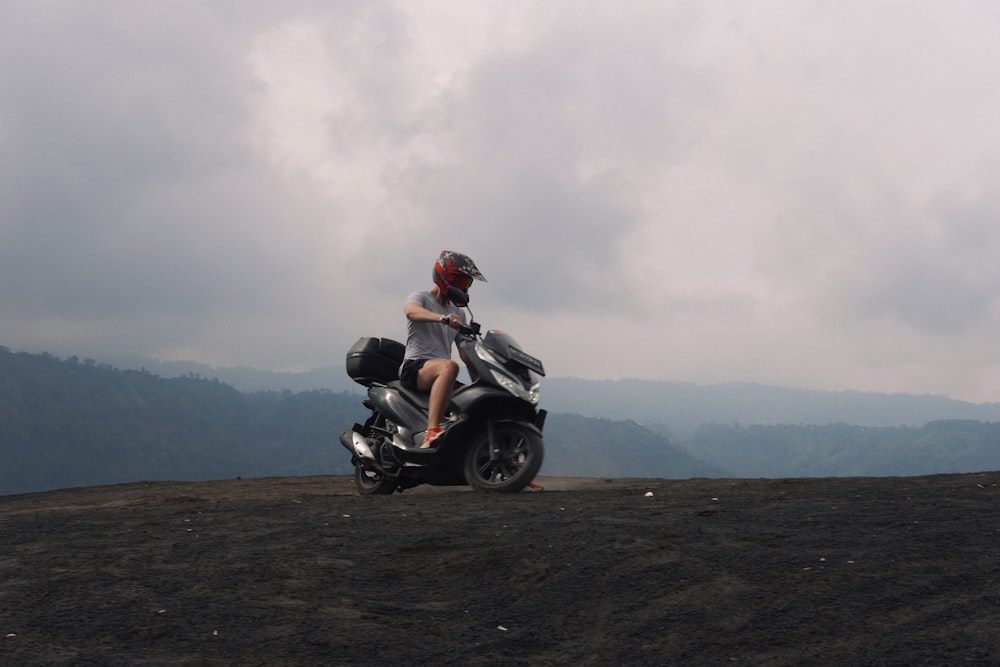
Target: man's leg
pixel 438 377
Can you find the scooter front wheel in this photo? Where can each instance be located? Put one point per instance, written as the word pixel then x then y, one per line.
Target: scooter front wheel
pixel 372 482
pixel 509 462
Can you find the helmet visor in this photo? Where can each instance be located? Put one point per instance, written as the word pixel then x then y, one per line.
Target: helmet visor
pixel 462 281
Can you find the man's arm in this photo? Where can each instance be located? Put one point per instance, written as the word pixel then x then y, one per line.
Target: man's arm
pixel 417 313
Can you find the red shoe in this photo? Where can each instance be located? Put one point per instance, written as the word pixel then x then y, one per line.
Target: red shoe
pixel 535 487
pixel 431 436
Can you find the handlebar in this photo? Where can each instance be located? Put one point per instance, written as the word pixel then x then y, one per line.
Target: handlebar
pixel 471 329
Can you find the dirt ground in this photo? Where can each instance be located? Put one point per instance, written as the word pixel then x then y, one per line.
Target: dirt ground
pixel 303 571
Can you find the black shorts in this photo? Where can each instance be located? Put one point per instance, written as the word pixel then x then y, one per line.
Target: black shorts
pixel 408 372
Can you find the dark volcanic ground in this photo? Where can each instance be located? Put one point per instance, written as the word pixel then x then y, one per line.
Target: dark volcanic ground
pixel 302 571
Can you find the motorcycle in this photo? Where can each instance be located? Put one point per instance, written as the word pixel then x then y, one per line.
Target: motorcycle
pixel 492 438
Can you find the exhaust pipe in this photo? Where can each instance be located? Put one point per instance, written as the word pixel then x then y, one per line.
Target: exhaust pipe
pixel 357 444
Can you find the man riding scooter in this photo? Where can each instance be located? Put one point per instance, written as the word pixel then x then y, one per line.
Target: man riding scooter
pixel 432 323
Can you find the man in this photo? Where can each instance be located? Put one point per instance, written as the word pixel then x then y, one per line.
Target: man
pixel 432 322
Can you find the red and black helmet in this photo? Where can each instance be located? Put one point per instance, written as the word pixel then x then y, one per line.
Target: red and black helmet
pixel 456 270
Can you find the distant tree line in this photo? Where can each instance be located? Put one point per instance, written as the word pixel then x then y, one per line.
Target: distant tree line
pixel 68 423
pixel 843 450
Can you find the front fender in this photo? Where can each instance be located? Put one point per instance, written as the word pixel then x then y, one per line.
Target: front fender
pixel 484 402
pixel 463 433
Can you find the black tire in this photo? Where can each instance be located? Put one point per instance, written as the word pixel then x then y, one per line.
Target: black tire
pixel 519 457
pixel 372 482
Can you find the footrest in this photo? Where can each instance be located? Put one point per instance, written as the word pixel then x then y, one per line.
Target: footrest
pixel 421 451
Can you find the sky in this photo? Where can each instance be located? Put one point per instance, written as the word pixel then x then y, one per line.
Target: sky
pixel 789 192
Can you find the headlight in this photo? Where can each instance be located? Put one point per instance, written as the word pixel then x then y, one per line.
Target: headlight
pixel 486 355
pixel 516 388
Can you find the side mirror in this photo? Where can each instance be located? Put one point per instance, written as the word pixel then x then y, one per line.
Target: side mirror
pixel 457 296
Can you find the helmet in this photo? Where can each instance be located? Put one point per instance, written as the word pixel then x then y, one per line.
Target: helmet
pixel 456 270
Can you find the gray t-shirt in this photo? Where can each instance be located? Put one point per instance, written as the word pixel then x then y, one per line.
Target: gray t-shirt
pixel 430 340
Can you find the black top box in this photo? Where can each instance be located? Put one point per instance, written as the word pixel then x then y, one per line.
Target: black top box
pixel 375 360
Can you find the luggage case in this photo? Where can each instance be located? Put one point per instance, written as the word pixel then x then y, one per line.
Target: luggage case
pixel 375 360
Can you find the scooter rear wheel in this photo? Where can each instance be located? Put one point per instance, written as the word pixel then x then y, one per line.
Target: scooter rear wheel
pixel 512 462
pixel 372 482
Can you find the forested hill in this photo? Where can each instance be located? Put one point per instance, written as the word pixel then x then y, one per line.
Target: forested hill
pixel 842 450
pixel 67 423
pixel 684 407
pixel 681 407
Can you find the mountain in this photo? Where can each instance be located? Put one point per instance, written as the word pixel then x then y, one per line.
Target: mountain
pixel 66 423
pixel 243 378
pixel 680 408
pixel 590 447
pixel 839 450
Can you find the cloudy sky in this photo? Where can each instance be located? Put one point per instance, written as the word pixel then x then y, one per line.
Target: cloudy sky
pixel 796 193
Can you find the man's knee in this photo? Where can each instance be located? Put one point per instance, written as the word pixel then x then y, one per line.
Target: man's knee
pixel 450 370
pixel 446 369
pixel 442 366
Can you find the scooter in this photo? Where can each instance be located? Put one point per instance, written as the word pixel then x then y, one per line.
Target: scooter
pixel 492 438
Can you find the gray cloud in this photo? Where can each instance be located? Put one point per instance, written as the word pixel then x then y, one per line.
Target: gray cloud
pixel 547 139
pixel 93 138
pixel 790 193
pixel 945 280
